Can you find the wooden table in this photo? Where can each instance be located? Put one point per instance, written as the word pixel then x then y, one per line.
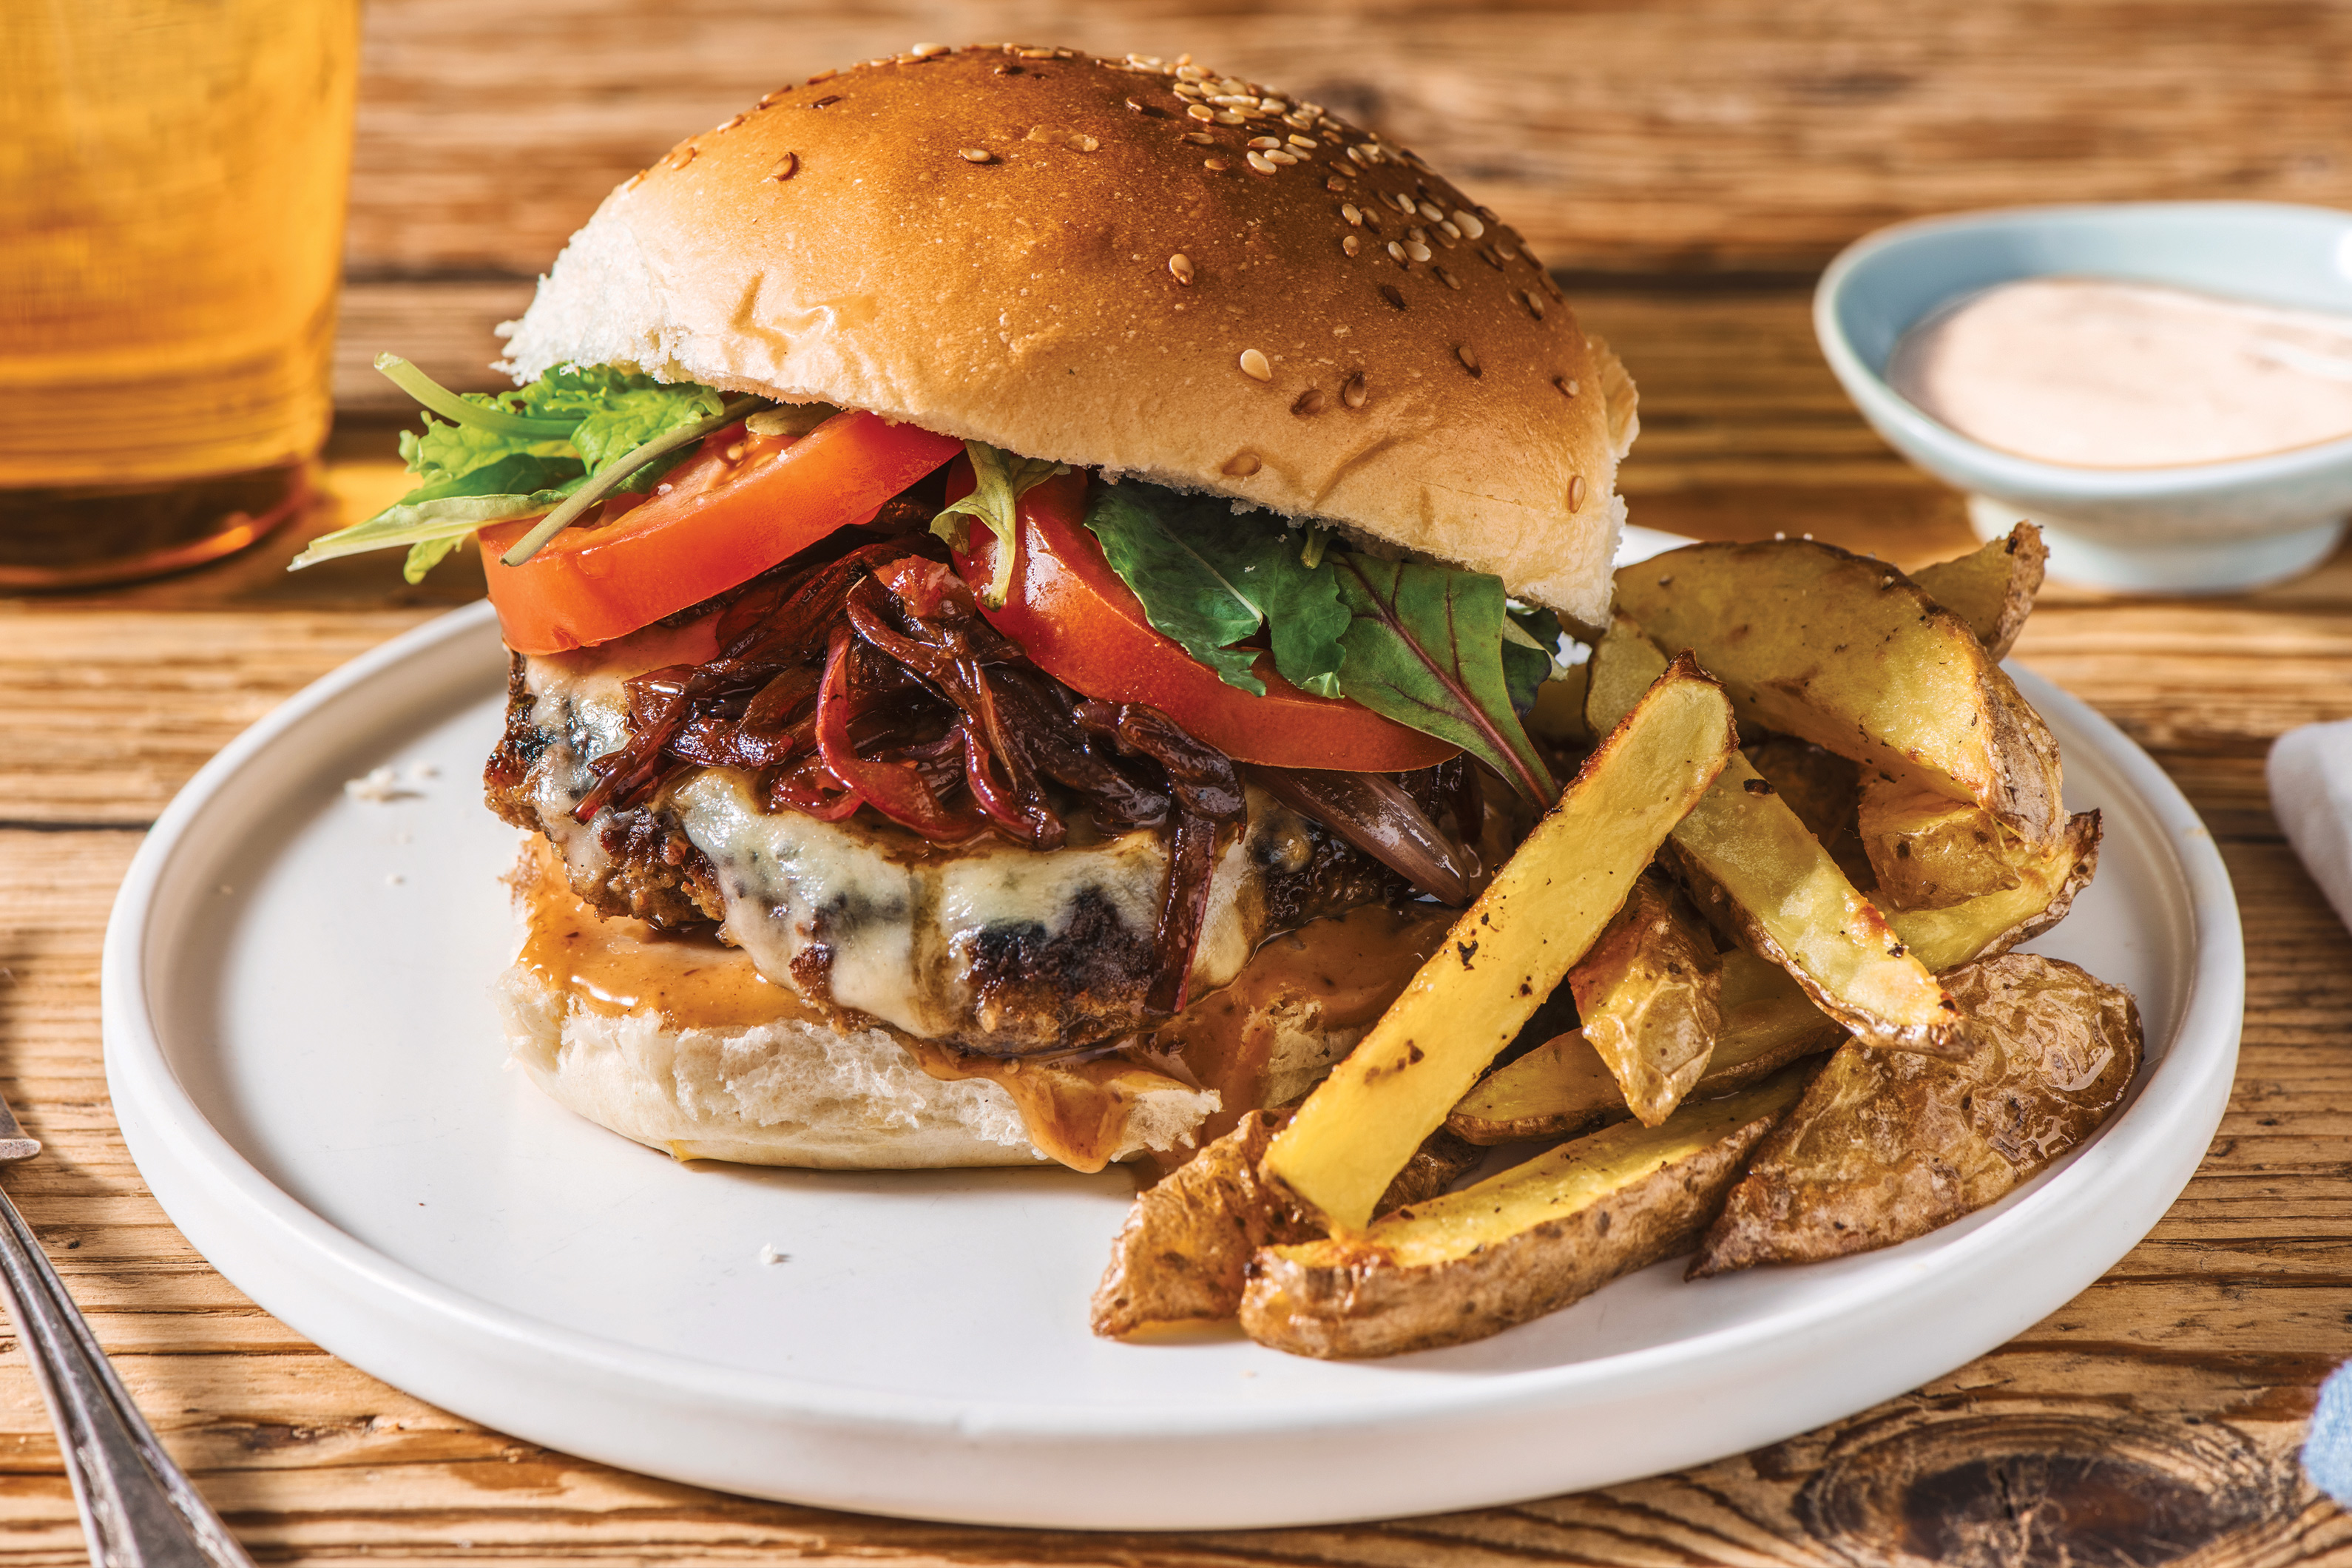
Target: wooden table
pixel 1695 163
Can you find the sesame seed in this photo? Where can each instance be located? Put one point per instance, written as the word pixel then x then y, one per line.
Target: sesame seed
pixel 1417 250
pixel 1394 295
pixel 1259 162
pixel 1469 224
pixel 769 100
pixel 1189 89
pixel 1335 184
pixel 1274 106
pixel 1448 229
pixel 786 167
pixel 1133 106
pixel 1507 253
pixel 1568 388
pixel 1535 305
pixel 1242 465
pixel 1417 235
pixel 1233 100
pixel 1576 493
pixel 1083 145
pixel 1352 393
pixel 1200 111
pixel 1186 71
pixel 1353 214
pixel 1430 210
pixel 731 124
pixel 1262 143
pixel 1396 252
pixel 976 155
pixel 1487 254
pixel 1310 401
pixel 681 156
pixel 925 51
pixel 1036 53
pixel 1179 266
pixel 1306 141
pixel 1278 156
pixel 1447 277
pixel 1217 165
pixel 1185 58
pixel 826 102
pixel 1253 366
pixel 1350 244
pixel 1357 153
pixel 823 76
pixel 1469 360
pixel 1300 121
pixel 1403 202
pixel 1202 137
pixel 1230 117
pixel 1310 108
pixel 1233 87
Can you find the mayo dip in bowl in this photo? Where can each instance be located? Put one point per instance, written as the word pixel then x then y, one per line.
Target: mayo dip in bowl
pixel 2190 273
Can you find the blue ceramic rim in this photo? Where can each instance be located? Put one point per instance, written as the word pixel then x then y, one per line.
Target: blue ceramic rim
pixel 1994 470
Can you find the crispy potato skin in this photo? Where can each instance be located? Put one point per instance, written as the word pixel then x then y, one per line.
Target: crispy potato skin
pixel 1928 851
pixel 1814 641
pixel 1180 1257
pixel 1993 589
pixel 1887 1145
pixel 1989 926
pixel 1351 1300
pixel 1650 992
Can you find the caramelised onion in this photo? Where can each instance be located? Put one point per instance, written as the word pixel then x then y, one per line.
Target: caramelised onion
pixel 1372 812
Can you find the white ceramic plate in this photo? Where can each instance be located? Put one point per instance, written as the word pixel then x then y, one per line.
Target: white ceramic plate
pixel 306 1066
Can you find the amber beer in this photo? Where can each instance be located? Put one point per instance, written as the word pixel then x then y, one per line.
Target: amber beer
pixel 172 183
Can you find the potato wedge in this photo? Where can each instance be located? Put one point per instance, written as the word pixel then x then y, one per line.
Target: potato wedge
pixel 1508 952
pixel 1651 997
pixel 1754 868
pixel 1518 1245
pixel 1561 1088
pixel 1181 1254
pixel 1888 1145
pixel 1823 789
pixel 1851 654
pixel 1990 925
pixel 1993 589
pixel 1928 851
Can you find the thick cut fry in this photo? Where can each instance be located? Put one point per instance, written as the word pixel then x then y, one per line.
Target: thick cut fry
pixel 1930 851
pixel 1507 952
pixel 1753 866
pixel 1991 925
pixel 1515 1246
pixel 1888 1146
pixel 1562 1088
pixel 1651 997
pixel 1180 1257
pixel 1851 654
pixel 1823 789
pixel 1993 589
pixel 1182 1254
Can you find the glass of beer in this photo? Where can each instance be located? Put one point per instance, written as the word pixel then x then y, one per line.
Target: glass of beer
pixel 171 189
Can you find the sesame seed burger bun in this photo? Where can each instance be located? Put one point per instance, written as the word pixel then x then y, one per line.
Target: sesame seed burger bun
pixel 1058 255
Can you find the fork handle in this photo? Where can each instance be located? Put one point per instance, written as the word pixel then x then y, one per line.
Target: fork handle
pixel 137 1509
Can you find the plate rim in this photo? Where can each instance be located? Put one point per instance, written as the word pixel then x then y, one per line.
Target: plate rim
pixel 2194 1075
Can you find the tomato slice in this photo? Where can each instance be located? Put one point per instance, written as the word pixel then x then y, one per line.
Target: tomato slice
pixel 714 521
pixel 1071 614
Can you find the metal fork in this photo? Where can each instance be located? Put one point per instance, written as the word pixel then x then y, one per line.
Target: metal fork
pixel 137 1509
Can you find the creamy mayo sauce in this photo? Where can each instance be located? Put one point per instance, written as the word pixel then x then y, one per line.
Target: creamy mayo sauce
pixel 2102 374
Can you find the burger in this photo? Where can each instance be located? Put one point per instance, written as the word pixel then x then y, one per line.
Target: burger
pixel 1027 577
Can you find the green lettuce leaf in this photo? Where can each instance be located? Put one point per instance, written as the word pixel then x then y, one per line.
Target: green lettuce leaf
pixel 1209 577
pixel 1530 653
pixel 1425 648
pixel 493 455
pixel 1000 479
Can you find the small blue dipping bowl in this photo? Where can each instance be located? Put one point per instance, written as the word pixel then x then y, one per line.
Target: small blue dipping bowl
pixel 2205 528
